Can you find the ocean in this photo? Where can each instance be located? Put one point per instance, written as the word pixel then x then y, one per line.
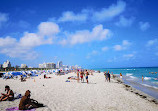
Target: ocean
pixel 133 77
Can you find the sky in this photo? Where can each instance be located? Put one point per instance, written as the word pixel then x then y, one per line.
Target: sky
pixel 91 33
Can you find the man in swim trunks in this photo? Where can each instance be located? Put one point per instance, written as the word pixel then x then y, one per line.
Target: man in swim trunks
pixel 87 76
pixel 8 96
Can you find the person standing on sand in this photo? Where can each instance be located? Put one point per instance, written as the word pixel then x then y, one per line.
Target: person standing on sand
pixel 105 76
pixel 87 76
pixel 81 75
pixel 121 76
pixel 108 76
pixel 142 78
pixel 78 76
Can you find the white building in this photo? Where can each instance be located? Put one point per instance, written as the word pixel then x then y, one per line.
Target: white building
pixel 59 64
pixel 51 65
pixel 23 66
pixel 7 64
pixel 65 66
pixel 47 65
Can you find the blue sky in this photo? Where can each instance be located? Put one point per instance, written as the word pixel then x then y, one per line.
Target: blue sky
pixel 91 33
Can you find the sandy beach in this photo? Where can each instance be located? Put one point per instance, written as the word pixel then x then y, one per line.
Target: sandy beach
pixel 59 95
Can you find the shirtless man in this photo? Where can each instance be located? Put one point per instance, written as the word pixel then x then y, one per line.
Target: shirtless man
pixel 8 96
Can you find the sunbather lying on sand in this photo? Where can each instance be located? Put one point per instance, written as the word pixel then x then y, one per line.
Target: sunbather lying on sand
pixel 45 77
pixel 8 96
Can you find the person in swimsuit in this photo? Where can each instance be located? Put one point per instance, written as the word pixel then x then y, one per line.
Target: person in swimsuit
pixel 105 76
pixel 26 103
pixel 108 76
pixel 120 75
pixel 8 96
pixel 81 75
pixel 45 77
pixel 78 76
pixel 87 76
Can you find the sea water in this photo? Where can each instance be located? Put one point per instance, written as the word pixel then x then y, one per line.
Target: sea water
pixel 133 77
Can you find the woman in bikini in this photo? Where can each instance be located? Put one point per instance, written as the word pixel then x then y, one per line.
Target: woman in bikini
pixel 8 96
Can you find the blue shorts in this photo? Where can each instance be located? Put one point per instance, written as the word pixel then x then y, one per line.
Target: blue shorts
pixel 86 77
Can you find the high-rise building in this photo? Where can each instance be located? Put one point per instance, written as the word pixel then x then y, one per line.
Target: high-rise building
pixel 51 65
pixel 7 64
pixel 59 64
pixel 23 66
pixel 47 65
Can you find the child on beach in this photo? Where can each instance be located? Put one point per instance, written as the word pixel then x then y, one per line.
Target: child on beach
pixel 87 76
pixel 8 96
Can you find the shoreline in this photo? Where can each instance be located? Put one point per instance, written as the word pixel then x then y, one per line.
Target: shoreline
pixel 137 91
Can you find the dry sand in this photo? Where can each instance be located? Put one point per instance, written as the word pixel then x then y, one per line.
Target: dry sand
pixel 59 95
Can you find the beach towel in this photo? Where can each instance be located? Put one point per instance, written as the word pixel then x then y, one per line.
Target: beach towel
pixel 67 81
pixel 17 109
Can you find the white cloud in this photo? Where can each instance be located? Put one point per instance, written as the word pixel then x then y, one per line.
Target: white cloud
pixel 48 28
pixel 83 36
pixel 23 48
pixel 3 18
pixel 103 14
pixel 71 16
pixel 151 42
pixel 118 47
pixel 105 48
pixel 124 22
pixel 109 13
pixel 125 44
pixel 129 56
pixel 144 25
pixel 8 41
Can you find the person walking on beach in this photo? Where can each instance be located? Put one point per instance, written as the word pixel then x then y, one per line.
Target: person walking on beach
pixel 105 76
pixel 78 76
pixel 108 76
pixel 142 78
pixel 8 96
pixel 81 75
pixel 87 76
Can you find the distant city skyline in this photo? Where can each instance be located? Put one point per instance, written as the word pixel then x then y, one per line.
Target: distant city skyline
pixel 91 33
